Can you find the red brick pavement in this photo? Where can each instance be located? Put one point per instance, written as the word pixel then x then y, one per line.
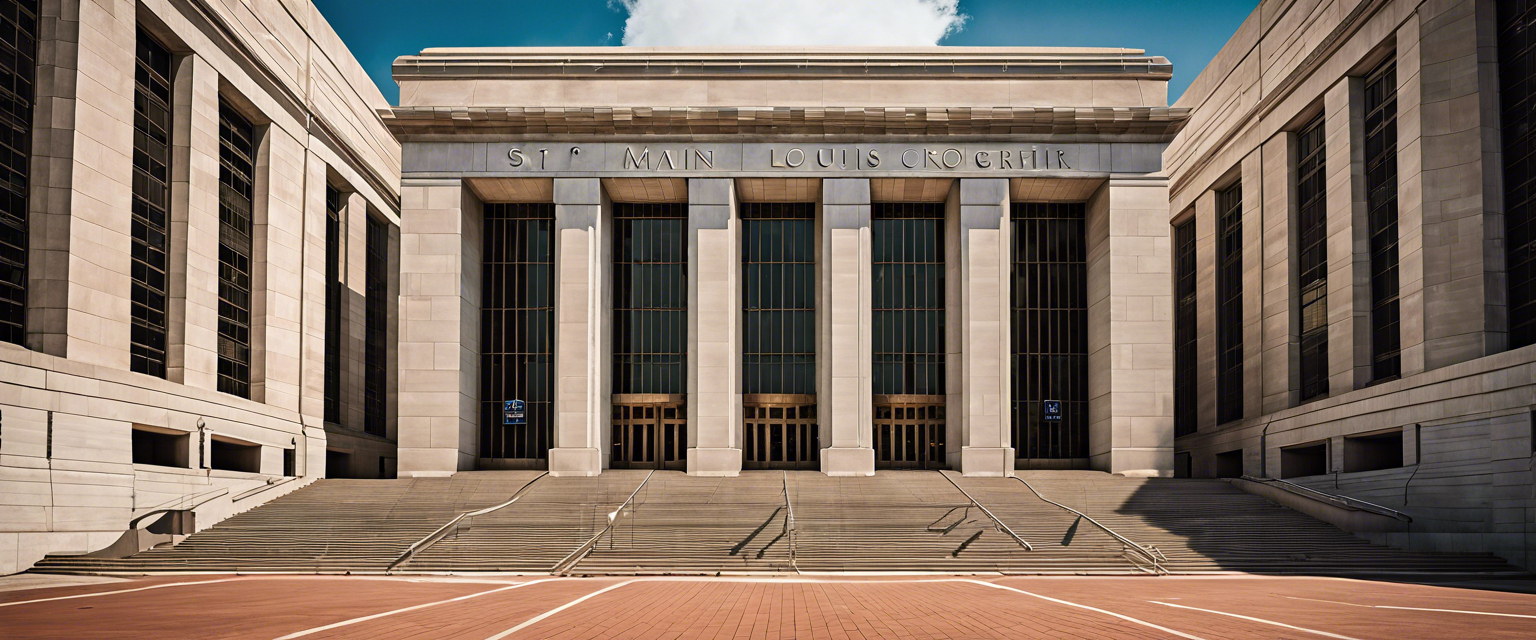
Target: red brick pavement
pixel 834 608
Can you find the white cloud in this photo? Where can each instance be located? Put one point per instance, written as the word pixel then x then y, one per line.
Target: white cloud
pixel 656 23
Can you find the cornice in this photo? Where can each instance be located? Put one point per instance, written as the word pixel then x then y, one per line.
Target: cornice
pixel 926 121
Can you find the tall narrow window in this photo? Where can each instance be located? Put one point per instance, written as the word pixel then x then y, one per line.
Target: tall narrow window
pixel 650 304
pixel 1381 211
pixel 236 150
pixel 1312 258
pixel 1050 330
pixel 332 305
pixel 1517 97
pixel 375 326
pixel 908 298
pixel 1186 416
pixel 1229 304
pixel 151 201
pixel 18 66
pixel 778 297
pixel 517 311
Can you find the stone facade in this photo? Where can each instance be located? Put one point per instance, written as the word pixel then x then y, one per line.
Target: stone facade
pixel 489 125
pixel 69 406
pixel 1462 404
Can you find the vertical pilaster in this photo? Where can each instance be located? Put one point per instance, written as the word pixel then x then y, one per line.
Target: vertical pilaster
pixel 354 308
pixel 276 284
pixel 193 306
pixel 439 329
pixel 1463 215
pixel 985 265
pixel 714 323
pixel 1349 266
pixel 312 309
pixel 583 344
pixel 846 394
pixel 1410 197
pixel 1205 310
pixel 1253 284
pixel 1130 356
pixel 1282 327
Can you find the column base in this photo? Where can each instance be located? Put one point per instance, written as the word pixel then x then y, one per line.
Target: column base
pixel 1149 462
pixel 571 461
pixel 719 463
pixel 848 461
pixel 986 462
pixel 410 462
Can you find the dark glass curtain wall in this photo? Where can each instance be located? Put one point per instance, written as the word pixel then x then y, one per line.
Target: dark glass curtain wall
pixel 236 150
pixel 151 205
pixel 778 266
pixel 650 298
pixel 1050 329
pixel 18 65
pixel 908 304
pixel 517 330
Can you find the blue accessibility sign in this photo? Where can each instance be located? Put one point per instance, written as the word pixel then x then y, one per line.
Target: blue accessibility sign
pixel 1051 410
pixel 513 412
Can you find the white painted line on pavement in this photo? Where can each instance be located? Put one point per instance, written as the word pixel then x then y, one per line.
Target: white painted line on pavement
pixel 1388 606
pixel 534 620
pixel 343 623
pixel 1144 623
pixel 1258 620
pixel 108 593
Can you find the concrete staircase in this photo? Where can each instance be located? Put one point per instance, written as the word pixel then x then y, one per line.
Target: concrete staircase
pixel 550 521
pixel 687 524
pixel 331 525
pixel 1209 525
pixel 907 521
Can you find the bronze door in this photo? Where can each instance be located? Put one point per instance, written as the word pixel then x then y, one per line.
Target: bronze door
pixel 650 433
pixel 909 432
pixel 780 432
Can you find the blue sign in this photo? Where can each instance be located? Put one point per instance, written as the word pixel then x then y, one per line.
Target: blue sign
pixel 512 412
pixel 1051 410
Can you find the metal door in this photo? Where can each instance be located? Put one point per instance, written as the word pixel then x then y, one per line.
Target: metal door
pixel 909 432
pixel 780 431
pixel 650 431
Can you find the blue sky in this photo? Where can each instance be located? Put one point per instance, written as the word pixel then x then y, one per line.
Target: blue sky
pixel 1188 32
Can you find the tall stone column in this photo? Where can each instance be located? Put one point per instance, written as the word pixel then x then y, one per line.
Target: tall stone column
pixel 1205 310
pixel 714 329
pixel 985 264
pixel 845 394
pixel 1282 326
pixel 1348 244
pixel 583 309
pixel 1130 353
pixel 193 307
pixel 439 377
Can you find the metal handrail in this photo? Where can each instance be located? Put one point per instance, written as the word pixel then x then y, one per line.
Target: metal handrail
pixel 586 547
pixel 1341 500
pixel 260 488
pixel 789 523
pixel 162 508
pixel 1000 526
pixel 1151 554
pixel 442 532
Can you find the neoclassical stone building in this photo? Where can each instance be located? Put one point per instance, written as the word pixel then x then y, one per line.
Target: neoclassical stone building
pixel 834 259
pixel 228 267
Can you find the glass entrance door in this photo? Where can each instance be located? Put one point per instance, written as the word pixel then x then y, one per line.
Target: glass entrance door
pixel 909 432
pixel 650 431
pixel 780 432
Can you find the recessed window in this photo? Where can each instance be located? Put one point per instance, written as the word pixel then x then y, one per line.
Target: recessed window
pixel 1312 258
pixel 517 311
pixel 235 456
pixel 1304 460
pixel 1229 464
pixel 236 152
pixel 650 304
pixel 338 464
pixel 1229 304
pixel 375 327
pixel 1373 452
pixel 333 289
pixel 18 65
pixel 907 240
pixel 160 448
pixel 1186 417
pixel 290 463
pixel 1381 212
pixel 1049 322
pixel 778 268
pixel 151 206
pixel 1517 98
